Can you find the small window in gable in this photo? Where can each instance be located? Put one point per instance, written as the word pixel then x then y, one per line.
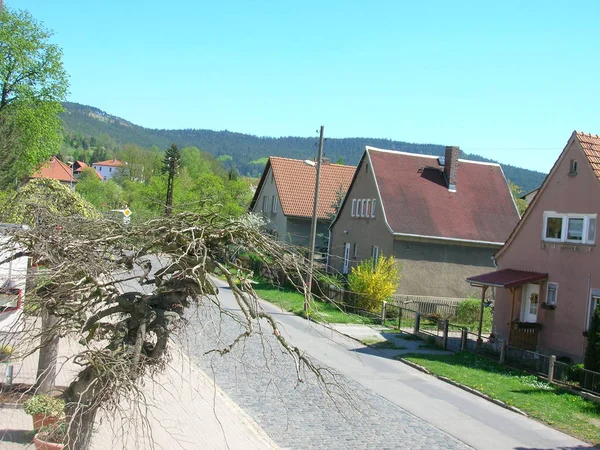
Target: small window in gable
pixel 373 208
pixel 353 207
pixel 362 208
pixel 573 167
pixel 367 208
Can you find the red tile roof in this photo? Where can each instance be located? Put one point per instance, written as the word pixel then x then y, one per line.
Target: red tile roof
pixel 295 181
pixel 416 199
pixel 591 147
pixel 55 169
pixel 109 163
pixel 78 167
pixel 507 278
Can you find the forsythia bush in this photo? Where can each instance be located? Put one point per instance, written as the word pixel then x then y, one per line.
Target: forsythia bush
pixel 375 285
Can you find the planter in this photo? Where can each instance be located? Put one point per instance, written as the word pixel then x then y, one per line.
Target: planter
pixel 42 420
pixel 43 445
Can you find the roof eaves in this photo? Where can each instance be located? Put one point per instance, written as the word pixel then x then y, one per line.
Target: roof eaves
pixel 378 191
pixel 441 238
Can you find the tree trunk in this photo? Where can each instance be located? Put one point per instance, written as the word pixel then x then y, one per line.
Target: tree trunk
pixel 82 402
pixel 46 372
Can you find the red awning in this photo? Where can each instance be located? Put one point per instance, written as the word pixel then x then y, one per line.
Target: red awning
pixel 507 278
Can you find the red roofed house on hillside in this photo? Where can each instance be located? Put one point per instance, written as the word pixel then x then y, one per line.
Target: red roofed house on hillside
pixel 56 170
pixel 107 169
pixel 441 218
pixel 548 282
pixel 78 167
pixel 285 195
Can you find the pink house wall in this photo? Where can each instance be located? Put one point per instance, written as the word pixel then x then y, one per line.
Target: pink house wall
pixel 574 267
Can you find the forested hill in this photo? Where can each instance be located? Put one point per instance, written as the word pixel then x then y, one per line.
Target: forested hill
pixel 248 153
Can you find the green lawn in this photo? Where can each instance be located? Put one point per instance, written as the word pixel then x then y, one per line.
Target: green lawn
pixel 291 300
pixel 556 407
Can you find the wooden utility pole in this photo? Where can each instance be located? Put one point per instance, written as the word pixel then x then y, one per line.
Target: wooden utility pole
pixel 313 232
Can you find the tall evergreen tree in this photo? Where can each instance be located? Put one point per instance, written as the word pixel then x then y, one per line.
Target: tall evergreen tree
pixel 170 165
pixel 592 352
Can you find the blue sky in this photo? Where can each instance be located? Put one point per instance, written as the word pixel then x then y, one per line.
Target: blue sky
pixel 507 80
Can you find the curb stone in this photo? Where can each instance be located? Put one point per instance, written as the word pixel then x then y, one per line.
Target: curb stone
pixel 464 388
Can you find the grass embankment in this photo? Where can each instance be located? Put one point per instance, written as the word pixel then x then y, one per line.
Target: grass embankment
pixel 293 301
pixel 556 407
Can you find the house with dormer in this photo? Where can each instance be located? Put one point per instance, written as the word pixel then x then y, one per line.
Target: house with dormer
pixel 548 278
pixel 442 218
pixel 285 198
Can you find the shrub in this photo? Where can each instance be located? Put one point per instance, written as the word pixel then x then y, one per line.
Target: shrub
pixel 592 352
pixel 374 285
pixel 467 314
pixel 44 404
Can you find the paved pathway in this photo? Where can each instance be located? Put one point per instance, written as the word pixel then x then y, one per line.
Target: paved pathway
pixel 394 405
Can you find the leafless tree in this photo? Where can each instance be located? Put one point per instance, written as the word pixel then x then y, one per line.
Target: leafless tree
pixel 121 291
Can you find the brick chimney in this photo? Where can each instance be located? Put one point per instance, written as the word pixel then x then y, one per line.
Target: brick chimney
pixel 451 167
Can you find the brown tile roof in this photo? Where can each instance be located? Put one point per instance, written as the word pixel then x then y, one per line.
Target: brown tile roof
pixel 55 169
pixel 507 278
pixel 591 147
pixel 416 199
pixel 109 163
pixel 295 181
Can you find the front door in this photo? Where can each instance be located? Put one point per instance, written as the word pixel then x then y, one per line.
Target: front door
pixel 346 258
pixel 531 299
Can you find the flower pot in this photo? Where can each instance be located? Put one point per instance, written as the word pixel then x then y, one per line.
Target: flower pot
pixel 42 420
pixel 43 445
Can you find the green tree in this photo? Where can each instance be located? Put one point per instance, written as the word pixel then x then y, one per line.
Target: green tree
pixel 141 165
pixel 33 82
pixel 374 285
pixel 104 195
pixel 517 192
pixel 171 164
pixel 592 352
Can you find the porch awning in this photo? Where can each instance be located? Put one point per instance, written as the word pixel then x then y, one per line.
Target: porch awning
pixel 507 278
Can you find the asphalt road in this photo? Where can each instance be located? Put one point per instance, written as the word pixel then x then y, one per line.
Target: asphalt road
pixel 369 402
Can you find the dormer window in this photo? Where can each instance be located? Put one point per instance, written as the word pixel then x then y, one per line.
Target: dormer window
pixel 573 167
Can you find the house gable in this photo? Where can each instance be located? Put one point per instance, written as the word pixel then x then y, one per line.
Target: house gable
pixel 561 192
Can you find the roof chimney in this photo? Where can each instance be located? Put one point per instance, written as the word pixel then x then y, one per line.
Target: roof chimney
pixel 451 167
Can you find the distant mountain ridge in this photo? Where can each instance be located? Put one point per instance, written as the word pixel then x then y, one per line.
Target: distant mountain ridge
pixel 248 152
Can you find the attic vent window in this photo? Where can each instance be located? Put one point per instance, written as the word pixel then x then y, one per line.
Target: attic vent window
pixel 442 160
pixel 573 167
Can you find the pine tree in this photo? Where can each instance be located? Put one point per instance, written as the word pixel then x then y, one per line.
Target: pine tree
pixel 171 163
pixel 592 352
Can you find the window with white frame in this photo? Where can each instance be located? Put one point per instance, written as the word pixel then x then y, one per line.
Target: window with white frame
pixel 373 208
pixel 274 204
pixel 353 214
pixel 362 207
pixel 375 256
pixel 594 300
pixel 368 208
pixel 551 294
pixel 575 228
pixel 265 204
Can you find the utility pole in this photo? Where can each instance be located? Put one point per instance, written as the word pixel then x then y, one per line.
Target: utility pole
pixel 313 232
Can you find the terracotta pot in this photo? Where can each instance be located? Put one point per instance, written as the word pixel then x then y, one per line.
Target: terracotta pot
pixel 42 420
pixel 43 445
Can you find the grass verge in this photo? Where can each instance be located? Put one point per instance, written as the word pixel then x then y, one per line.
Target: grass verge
pixel 548 403
pixel 292 301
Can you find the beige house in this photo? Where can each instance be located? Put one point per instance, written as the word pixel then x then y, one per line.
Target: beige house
pixel 285 197
pixel 548 282
pixel 442 218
